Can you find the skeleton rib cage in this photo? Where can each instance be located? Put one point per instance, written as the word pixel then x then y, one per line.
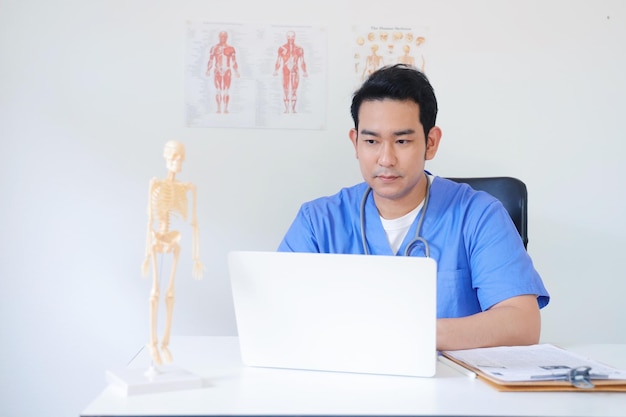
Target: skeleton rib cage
pixel 168 199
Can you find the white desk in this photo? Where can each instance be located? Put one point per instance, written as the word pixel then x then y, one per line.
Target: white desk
pixel 232 389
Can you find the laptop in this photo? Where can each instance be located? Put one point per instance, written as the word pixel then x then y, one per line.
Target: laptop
pixel 336 312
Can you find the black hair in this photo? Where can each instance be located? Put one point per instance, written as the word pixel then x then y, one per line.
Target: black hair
pixel 398 82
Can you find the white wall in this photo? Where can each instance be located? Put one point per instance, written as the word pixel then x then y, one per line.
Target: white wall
pixel 91 90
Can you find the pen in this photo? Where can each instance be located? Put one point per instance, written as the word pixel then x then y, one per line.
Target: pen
pixel 557 377
pixel 457 367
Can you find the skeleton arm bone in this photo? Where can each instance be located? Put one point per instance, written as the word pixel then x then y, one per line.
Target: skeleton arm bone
pixel 197 265
pixel 145 267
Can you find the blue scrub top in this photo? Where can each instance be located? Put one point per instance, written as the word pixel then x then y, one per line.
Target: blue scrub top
pixel 481 259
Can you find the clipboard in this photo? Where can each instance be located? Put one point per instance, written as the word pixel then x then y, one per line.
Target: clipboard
pixel 502 368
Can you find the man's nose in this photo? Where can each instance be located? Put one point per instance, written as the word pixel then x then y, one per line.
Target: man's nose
pixel 387 156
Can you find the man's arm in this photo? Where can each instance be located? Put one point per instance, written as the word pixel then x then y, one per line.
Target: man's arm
pixel 515 321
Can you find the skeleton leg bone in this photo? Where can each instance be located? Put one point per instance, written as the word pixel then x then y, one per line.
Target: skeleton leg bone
pixel 154 305
pixel 169 304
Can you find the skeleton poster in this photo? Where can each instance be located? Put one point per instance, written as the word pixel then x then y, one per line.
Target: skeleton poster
pixel 376 46
pixel 251 76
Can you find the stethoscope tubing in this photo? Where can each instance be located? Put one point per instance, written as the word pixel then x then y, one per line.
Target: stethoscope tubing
pixel 418 238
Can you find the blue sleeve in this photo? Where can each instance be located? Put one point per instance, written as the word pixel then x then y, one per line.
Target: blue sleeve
pixel 300 236
pixel 501 267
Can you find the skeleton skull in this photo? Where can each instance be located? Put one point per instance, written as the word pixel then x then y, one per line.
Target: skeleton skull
pixel 174 154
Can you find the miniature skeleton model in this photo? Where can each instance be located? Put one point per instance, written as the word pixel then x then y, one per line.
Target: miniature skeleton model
pixel 167 199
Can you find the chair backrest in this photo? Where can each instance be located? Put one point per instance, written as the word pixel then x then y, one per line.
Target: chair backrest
pixel 511 192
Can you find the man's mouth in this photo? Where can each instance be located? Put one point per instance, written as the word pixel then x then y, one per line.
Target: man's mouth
pixel 387 178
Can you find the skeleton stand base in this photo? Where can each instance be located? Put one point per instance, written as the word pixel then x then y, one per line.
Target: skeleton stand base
pixel 133 381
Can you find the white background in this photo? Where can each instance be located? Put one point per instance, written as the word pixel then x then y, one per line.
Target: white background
pixel 91 90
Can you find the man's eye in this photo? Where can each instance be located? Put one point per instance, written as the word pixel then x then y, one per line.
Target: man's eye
pixel 370 141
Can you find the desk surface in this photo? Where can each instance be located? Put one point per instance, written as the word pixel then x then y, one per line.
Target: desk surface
pixel 229 388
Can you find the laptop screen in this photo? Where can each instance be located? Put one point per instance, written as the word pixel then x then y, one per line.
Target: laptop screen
pixel 334 312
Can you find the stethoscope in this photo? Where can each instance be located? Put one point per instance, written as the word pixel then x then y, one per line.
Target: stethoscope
pixel 417 239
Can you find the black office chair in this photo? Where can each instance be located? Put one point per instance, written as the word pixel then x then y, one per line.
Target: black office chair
pixel 513 195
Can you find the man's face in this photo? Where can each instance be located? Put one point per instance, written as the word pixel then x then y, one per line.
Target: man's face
pixel 392 151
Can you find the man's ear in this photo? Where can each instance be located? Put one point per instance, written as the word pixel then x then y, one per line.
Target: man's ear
pixel 354 135
pixel 432 142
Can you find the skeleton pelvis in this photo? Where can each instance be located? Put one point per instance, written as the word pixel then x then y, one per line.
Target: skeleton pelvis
pixel 165 242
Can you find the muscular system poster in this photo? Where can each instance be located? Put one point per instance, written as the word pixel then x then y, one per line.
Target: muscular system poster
pixel 251 76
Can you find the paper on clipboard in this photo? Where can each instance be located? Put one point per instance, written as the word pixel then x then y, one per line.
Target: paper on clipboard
pixel 536 367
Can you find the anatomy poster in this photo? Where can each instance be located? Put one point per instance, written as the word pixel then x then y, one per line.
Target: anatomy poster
pixel 377 46
pixel 249 76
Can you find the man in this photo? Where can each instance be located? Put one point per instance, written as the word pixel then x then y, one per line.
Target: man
pixel 222 56
pixel 488 292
